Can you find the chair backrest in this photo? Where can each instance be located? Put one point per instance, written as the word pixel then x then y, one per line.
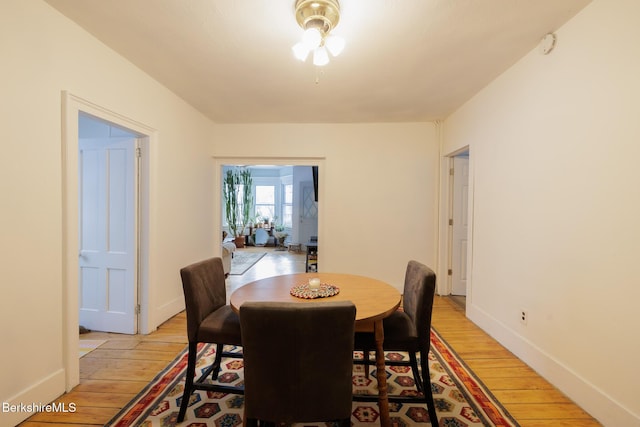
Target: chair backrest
pixel 417 299
pixel 298 360
pixel 205 291
pixel 261 237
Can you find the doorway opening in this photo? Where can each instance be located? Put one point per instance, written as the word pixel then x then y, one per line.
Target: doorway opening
pixel 108 165
pixel 286 195
pixel 456 226
pixel 285 207
pixel 84 118
pixel 459 224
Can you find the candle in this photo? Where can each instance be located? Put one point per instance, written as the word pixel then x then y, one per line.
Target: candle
pixel 314 283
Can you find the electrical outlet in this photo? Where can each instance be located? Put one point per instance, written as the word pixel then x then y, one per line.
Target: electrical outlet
pixel 524 316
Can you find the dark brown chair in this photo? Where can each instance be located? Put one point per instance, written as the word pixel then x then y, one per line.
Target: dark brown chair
pixel 408 330
pixel 209 320
pixel 298 361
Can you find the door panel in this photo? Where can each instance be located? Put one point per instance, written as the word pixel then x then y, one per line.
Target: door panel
pixel 108 290
pixel 460 225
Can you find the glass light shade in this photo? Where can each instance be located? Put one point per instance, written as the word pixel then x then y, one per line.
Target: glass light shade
pixel 312 38
pixel 334 44
pixel 320 56
pixel 300 51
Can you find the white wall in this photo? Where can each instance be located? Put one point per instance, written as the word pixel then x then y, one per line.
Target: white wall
pixel 43 54
pixel 555 143
pixel 378 194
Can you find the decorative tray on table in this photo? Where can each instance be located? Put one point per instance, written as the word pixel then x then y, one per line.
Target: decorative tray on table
pixel 304 291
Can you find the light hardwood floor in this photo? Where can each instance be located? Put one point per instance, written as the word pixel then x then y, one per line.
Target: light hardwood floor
pixel 113 374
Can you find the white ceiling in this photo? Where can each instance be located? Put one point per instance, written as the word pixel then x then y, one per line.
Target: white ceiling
pixel 405 60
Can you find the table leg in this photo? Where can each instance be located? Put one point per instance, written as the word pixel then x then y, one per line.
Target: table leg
pixel 383 398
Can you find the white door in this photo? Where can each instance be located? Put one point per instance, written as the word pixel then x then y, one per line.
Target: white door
pixel 460 225
pixel 107 259
pixel 308 212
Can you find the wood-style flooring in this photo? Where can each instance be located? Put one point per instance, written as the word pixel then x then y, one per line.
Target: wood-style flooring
pixel 113 374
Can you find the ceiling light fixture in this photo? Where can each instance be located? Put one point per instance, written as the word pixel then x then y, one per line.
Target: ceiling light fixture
pixel 317 18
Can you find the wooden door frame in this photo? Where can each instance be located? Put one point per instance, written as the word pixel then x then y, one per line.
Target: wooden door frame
pixel 72 106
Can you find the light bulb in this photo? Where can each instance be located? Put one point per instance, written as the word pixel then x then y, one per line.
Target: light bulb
pixel 334 44
pixel 312 38
pixel 300 51
pixel 320 56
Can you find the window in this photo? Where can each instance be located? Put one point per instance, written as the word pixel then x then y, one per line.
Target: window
pixel 266 201
pixel 287 206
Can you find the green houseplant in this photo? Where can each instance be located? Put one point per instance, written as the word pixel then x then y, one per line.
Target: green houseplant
pixel 238 201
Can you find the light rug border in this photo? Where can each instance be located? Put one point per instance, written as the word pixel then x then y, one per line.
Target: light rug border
pixel 259 255
pixel 86 346
pixel 491 413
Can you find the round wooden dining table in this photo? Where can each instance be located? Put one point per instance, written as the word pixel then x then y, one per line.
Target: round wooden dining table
pixel 374 300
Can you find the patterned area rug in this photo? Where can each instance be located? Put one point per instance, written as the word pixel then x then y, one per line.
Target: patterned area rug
pixel 242 261
pixel 461 399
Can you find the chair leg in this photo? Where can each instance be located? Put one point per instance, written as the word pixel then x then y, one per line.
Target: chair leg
pixel 416 374
pixel 253 422
pixel 188 386
pixel 426 381
pixel 217 361
pixel 365 357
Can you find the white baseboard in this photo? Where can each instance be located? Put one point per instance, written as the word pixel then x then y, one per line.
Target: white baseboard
pixel 26 403
pixel 601 406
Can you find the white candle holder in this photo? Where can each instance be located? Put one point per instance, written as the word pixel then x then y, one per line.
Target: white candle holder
pixel 314 283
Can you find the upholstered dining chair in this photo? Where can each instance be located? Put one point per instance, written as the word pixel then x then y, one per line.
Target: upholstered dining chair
pixel 209 320
pixel 261 237
pixel 298 361
pixel 408 330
